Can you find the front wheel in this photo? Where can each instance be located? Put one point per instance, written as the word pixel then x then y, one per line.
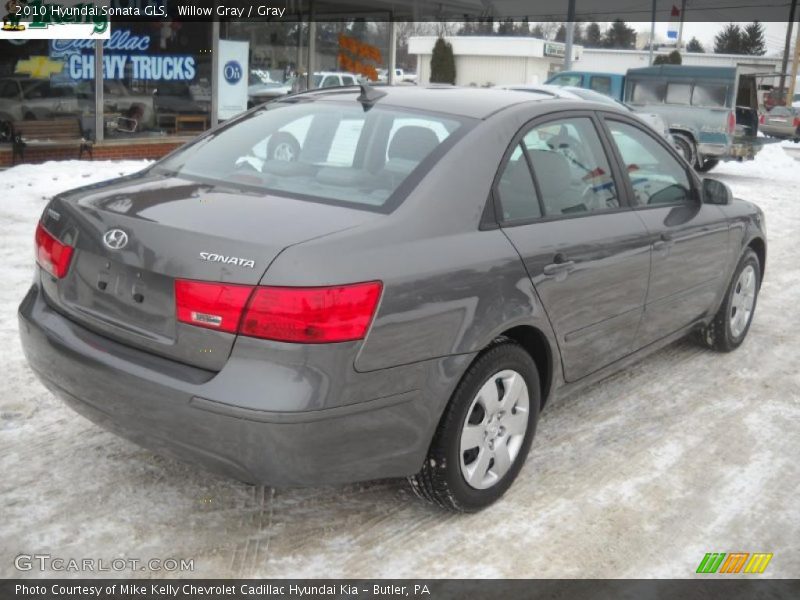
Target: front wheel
pixel 485 433
pixel 732 322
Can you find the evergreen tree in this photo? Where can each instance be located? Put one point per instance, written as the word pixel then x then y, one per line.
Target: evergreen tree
pixel 506 27
pixel 673 58
pixel 593 37
pixel 753 39
pixel 443 63
pixel 619 35
pixel 577 37
pixel 729 40
pixel 468 28
pixel 561 33
pixel 694 45
pixel 537 31
pixel 523 28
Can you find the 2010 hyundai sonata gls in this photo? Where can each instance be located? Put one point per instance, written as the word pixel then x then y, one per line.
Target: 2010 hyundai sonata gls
pixel 344 286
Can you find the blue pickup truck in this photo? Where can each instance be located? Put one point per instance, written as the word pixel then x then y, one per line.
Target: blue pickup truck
pixel 712 112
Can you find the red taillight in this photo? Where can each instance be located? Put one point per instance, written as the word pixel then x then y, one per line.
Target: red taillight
pixel 52 255
pixel 731 123
pixel 761 119
pixel 311 315
pixel 212 305
pixel 796 122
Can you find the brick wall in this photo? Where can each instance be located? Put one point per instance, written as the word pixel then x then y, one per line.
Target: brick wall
pixel 106 151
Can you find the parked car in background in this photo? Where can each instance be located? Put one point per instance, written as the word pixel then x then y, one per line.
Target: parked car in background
pixel 400 298
pixel 711 111
pixel 23 98
pixel 400 76
pixel 653 120
pixel 136 112
pixel 796 101
pixel 321 79
pixel 609 84
pixel 782 122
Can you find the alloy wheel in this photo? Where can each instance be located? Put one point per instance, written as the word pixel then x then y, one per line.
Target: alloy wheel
pixel 494 429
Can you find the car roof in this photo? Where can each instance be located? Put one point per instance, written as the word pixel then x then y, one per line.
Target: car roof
pixel 477 103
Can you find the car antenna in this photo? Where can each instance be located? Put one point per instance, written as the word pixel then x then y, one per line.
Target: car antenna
pixel 369 95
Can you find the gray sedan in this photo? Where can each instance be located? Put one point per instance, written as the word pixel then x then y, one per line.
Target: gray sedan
pixel 400 297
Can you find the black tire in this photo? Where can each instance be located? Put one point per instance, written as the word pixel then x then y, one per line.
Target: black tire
pixel 718 334
pixel 707 165
pixel 440 480
pixel 687 148
pixel 283 146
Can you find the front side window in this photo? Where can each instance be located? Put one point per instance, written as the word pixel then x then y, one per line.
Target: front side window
pixel 571 167
pixel 601 84
pixel 655 175
pixel 321 151
pixel 570 79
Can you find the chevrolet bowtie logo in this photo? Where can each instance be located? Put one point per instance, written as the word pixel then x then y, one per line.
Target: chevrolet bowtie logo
pixel 39 67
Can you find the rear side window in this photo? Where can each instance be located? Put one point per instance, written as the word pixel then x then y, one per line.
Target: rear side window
pixel 571 167
pixel 679 93
pixel 326 151
pixel 655 175
pixel 647 92
pixel 600 83
pixel 706 94
pixel 515 189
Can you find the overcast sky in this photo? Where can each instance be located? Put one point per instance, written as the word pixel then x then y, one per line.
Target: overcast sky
pixel 705 32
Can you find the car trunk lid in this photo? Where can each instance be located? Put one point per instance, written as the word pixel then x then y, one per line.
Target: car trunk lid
pixel 159 228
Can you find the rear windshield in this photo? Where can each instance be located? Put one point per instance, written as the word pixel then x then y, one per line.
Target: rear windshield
pixel 323 151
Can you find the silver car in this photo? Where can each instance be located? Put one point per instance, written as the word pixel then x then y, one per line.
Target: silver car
pixel 782 122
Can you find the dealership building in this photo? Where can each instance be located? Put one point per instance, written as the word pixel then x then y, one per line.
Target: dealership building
pixel 154 84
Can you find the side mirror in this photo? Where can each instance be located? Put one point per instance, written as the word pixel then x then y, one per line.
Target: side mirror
pixel 716 192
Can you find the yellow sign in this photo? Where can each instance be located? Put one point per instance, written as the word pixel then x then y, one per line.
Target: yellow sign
pixel 39 67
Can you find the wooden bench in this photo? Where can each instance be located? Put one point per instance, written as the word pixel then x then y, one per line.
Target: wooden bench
pixel 55 133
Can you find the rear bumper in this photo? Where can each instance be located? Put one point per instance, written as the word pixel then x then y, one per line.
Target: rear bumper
pixel 729 152
pixel 177 410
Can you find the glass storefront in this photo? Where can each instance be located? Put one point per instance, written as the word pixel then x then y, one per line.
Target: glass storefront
pixel 157 76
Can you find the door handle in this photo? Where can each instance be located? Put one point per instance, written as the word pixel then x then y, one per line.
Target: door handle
pixel 560 266
pixel 665 240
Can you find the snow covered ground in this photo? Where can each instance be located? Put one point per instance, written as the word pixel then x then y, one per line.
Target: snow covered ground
pixel 685 453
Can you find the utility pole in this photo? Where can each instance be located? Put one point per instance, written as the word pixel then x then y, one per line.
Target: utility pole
pixel 652 31
pixel 570 26
pixel 680 26
pixel 785 63
pixel 795 65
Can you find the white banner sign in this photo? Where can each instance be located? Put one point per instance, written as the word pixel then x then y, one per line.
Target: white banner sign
pixel 233 77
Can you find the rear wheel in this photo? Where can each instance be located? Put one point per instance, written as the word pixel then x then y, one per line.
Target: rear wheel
pixel 732 322
pixel 485 433
pixel 705 165
pixel 687 147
